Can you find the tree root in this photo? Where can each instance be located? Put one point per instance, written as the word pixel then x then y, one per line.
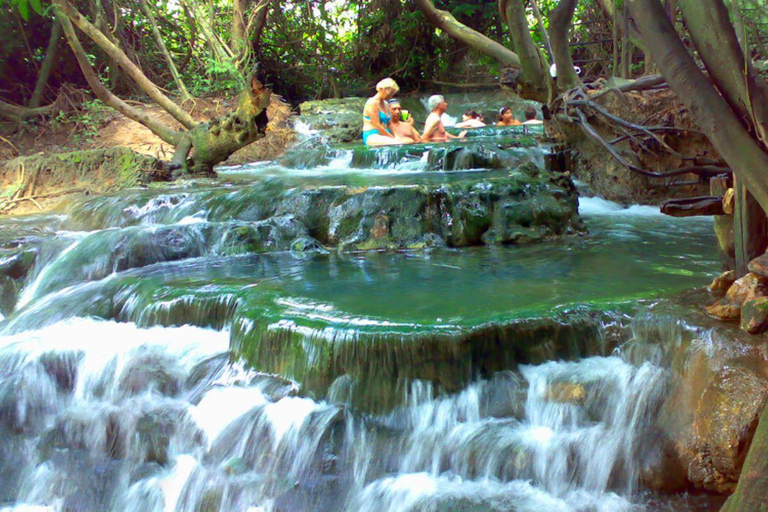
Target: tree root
pixel 576 105
pixel 700 170
pixel 10 204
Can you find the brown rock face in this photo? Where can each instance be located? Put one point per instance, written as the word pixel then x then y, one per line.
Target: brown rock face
pixel 380 226
pixel 724 281
pixel 723 425
pixel 759 266
pixel 754 315
pixel 729 201
pixel 724 310
pixel 748 287
pixel 566 393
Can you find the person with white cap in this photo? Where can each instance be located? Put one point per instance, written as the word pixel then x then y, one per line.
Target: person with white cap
pixel 434 130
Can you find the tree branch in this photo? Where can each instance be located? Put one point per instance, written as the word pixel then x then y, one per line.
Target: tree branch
pixel 713 115
pixel 185 96
pixel 122 59
pixel 447 23
pixel 168 135
pixel 47 66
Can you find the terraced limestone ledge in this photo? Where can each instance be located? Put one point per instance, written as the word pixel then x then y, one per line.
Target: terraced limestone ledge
pixel 527 205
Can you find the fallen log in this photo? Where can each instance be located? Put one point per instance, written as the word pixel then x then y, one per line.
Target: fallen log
pixel 693 206
pixel 17 114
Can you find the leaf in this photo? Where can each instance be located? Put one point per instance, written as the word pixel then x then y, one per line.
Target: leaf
pixel 37 5
pixel 23 9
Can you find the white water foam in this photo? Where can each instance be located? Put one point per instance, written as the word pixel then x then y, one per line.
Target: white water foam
pixel 221 406
pixel 106 347
pixel 595 206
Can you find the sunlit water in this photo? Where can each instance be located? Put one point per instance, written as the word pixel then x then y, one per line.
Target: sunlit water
pixel 99 415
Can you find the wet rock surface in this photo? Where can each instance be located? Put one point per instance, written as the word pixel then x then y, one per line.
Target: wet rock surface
pixel 449 361
pixel 340 120
pixel 754 315
pixel 718 388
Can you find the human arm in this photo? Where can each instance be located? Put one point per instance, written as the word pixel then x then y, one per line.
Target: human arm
pixel 415 135
pixel 430 127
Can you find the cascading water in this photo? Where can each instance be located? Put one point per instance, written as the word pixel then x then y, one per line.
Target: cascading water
pixel 111 400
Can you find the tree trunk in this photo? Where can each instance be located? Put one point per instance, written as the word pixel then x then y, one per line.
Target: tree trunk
pixel 750 228
pixel 259 23
pixel 239 35
pixel 185 96
pixel 615 63
pixel 715 39
pixel 626 46
pixel 48 62
pixel 559 27
pixel 17 114
pixel 713 115
pixel 544 33
pixel 738 25
pixel 534 78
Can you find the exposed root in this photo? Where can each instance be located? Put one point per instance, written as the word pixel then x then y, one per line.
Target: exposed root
pixel 578 107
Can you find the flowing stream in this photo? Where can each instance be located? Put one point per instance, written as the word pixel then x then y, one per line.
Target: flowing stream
pixel 120 388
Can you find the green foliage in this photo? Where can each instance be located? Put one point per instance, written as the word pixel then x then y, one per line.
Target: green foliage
pixel 86 121
pixel 24 6
pixel 217 76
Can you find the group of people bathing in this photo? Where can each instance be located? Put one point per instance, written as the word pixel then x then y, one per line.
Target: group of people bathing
pixel 385 123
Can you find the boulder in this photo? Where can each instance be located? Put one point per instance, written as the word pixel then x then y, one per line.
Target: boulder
pixel 154 371
pixel 759 266
pixel 566 393
pixel 341 120
pixel 724 422
pixel 748 287
pixel 724 309
pixel 754 315
pixel 723 282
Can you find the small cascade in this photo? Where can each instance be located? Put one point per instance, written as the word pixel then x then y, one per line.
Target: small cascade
pixel 159 419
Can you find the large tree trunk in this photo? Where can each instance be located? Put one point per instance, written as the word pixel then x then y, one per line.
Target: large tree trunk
pixel 718 46
pixel 559 27
pixel 534 79
pixel 717 120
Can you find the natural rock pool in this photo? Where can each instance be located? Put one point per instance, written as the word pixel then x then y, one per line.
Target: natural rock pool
pixel 224 345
